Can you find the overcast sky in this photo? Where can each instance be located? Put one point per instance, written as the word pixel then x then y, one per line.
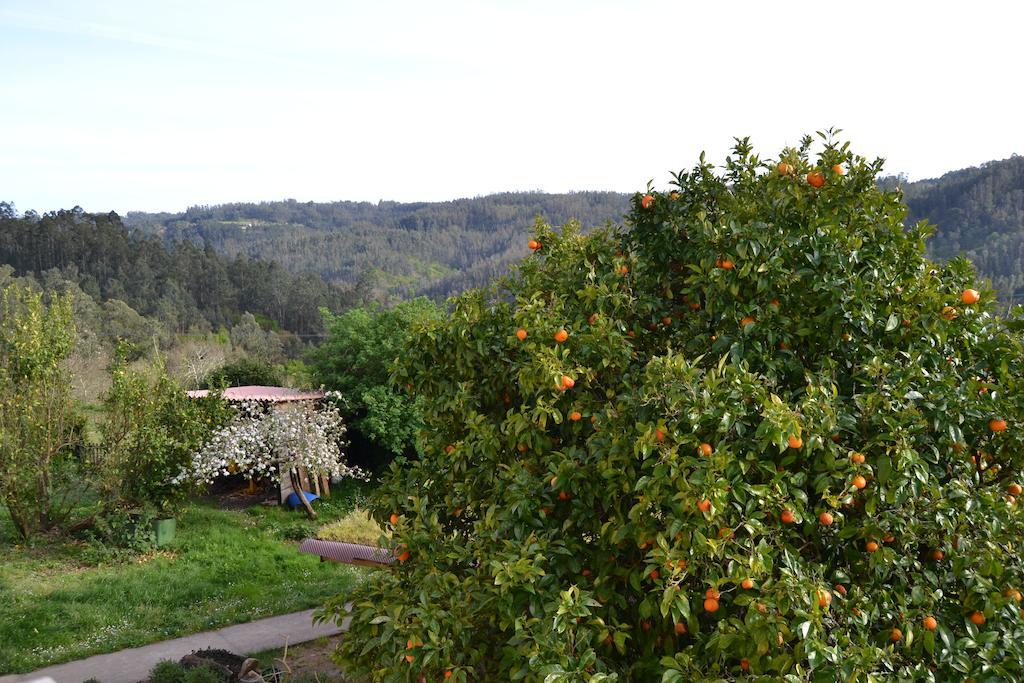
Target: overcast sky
pixel 162 105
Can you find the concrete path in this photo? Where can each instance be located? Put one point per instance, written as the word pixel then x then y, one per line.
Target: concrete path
pixel 131 666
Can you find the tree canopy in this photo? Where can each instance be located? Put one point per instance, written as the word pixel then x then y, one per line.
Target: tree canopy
pixel 757 433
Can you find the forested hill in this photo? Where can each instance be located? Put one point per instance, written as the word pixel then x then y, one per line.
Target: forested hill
pixel 444 247
pixel 980 212
pixel 435 249
pixel 182 284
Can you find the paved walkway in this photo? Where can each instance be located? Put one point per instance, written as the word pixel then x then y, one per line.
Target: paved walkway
pixel 131 666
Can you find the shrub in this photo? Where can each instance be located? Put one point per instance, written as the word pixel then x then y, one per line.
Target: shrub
pixel 39 426
pixel 765 447
pixel 202 674
pixel 152 429
pixel 243 372
pixel 167 672
pixel 355 360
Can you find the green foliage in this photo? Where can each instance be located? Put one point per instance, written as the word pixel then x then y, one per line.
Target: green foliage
pixel 167 672
pixel 789 328
pixel 150 433
pixel 223 567
pixel 202 674
pixel 243 372
pixel 119 533
pixel 356 360
pixel 39 426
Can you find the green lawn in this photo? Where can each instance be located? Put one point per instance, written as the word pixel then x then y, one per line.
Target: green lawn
pixel 224 567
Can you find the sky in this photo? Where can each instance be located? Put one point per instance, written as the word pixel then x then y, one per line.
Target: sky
pixel 157 106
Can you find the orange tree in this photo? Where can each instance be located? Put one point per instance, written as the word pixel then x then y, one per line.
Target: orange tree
pixel 756 435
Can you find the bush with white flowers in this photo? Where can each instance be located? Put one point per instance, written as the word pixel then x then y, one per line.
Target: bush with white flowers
pixel 264 443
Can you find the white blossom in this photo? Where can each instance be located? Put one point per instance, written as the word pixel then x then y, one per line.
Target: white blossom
pixel 262 442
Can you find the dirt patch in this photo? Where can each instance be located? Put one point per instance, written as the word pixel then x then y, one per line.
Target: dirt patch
pixel 309 661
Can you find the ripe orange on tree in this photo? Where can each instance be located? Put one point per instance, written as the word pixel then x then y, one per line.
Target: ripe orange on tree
pixel 859 482
pixel 647 202
pixel 997 425
pixel 895 635
pixel 795 442
pixel 747 320
pixel 533 244
pixel 815 179
pixel 977 618
pixel 575 416
pixel 825 518
pixel 787 516
pixel 747 584
pixel 784 168
pixel 710 605
pixel 521 334
pixel 857 458
pixel 704 505
pixel 838 169
pixel 394 519
pixel 706 449
pixel 1014 489
pixel 970 296
pixel 561 336
pixel 871 546
pixel 659 435
pixel 930 624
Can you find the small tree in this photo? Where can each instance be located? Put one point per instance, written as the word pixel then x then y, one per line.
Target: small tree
pixel 151 430
pixel 269 443
pixel 756 435
pixel 355 360
pixel 39 426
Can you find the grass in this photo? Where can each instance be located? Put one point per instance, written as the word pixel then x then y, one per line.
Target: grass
pixel 225 567
pixel 355 527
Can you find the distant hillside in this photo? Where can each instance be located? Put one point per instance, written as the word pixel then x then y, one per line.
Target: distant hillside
pixel 400 249
pixel 442 248
pixel 980 212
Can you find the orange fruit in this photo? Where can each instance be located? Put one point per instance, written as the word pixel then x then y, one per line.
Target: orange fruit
pixel 575 416
pixel 566 383
pixel 408 658
pixel 404 556
pixel 948 313
pixel 704 505
pixel 896 635
pixel 838 169
pixel 673 196
pixel 659 435
pixel 564 495
pixel 710 605
pixel 970 296
pixel 824 598
pixel 857 458
pixel 521 334
pixel 783 345
pixel 930 624
pixel 841 589
pixel 859 482
pixel 705 449
pixel 1015 594
pixel 561 336
pixel 585 572
pixel 871 546
pixel 394 519
pixel 997 425
pixel 712 593
pixel 1014 489
pixel 787 517
pixel 747 584
pixel 977 618
pixel 825 518
pixel 726 264
pixel 888 538
pixel 624 270
pixel 745 664
pixel 815 179
pixel 937 555
pixel 746 321
pixel 647 202
pixel 795 442
pixel 534 245
pixel 785 169
pixel 592 319
pixel 680 628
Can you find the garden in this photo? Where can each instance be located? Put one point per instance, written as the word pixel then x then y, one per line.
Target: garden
pixel 752 434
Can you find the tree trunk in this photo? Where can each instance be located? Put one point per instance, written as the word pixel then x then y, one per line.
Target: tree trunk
pixel 297 487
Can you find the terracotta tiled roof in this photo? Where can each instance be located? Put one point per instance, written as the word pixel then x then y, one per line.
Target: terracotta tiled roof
pixel 350 553
pixel 255 393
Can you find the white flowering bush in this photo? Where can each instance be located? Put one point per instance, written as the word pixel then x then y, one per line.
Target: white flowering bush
pixel 265 443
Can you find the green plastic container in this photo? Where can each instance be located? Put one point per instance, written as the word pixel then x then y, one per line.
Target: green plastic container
pixel 165 529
